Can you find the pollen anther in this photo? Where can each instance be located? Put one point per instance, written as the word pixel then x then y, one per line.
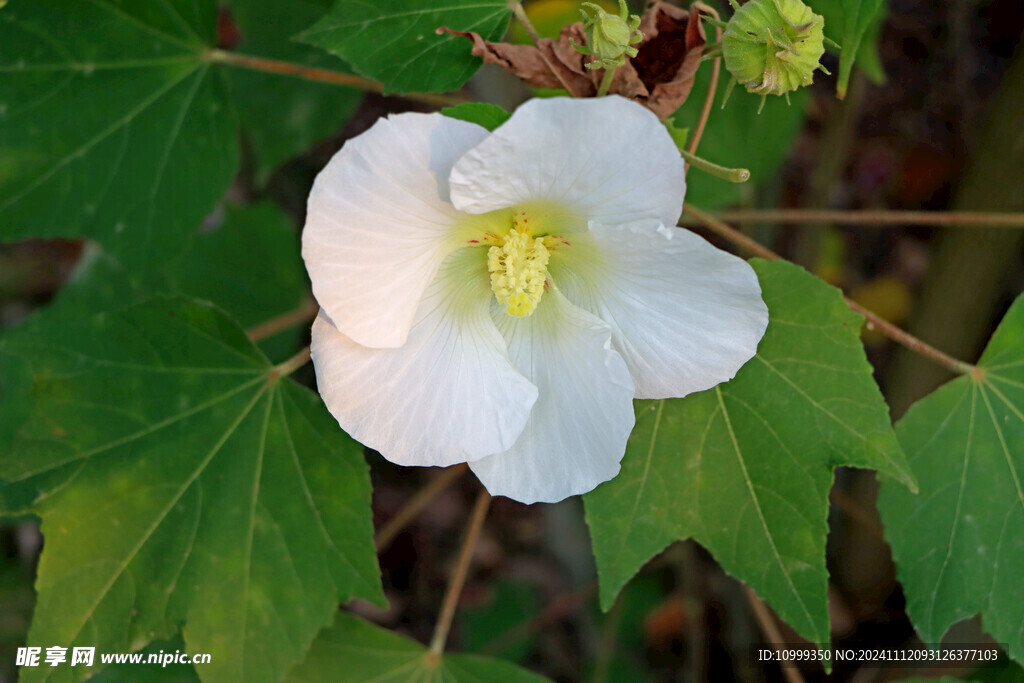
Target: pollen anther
pixel 518 269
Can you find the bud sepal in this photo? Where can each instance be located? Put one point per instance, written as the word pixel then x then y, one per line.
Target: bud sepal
pixel 772 47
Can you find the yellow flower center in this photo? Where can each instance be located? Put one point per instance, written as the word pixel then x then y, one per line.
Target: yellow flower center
pixel 520 241
pixel 518 268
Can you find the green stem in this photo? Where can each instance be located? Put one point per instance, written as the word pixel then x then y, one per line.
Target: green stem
pixel 606 82
pixel 733 175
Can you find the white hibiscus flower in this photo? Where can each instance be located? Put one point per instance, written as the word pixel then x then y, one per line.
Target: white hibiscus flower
pixel 500 298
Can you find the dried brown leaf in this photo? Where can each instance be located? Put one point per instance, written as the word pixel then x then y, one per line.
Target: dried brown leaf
pixel 660 77
pixel 545 65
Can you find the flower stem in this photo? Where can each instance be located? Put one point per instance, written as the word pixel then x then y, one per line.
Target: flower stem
pixel 733 175
pixel 606 82
pixel 458 580
pixel 884 326
pixel 323 76
pixel 716 68
pixel 877 217
pixel 283 322
pixel 415 505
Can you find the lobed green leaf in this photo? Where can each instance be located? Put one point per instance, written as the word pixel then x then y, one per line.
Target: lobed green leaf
pixel 181 481
pixel 959 543
pixel 745 468
pixel 117 124
pixel 112 124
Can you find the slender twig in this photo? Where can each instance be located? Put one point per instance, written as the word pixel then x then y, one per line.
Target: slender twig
pixel 517 9
pixel 910 341
pixel 415 505
pixel 291 365
pixel 884 326
pixel 876 217
pixel 324 76
pixel 771 632
pixel 709 98
pixel 728 232
pixel 458 580
pixel 283 322
pixel 520 14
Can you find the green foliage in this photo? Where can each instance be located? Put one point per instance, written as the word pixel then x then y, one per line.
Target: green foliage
pixel 738 137
pixel 284 117
pixel 490 116
pixel 745 468
pixel 15 390
pixel 132 673
pixel 680 136
pixel 510 602
pixel 847 22
pixel 395 41
pixel 181 480
pixel 116 124
pixel 193 498
pixel 249 264
pixel 119 132
pixel 959 543
pixel 365 652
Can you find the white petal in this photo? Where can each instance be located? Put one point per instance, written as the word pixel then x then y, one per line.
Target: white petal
pixel 578 429
pixel 684 314
pixel 608 159
pixel 379 223
pixel 448 395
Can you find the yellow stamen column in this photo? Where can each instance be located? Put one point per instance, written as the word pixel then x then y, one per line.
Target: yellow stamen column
pixel 518 269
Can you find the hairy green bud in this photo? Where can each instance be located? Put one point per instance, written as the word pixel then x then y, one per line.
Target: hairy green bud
pixel 773 46
pixel 610 38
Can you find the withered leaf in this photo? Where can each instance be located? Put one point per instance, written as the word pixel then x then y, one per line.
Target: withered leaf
pixel 660 77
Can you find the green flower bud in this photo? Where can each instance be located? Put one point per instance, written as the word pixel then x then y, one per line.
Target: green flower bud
pixel 773 46
pixel 610 38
